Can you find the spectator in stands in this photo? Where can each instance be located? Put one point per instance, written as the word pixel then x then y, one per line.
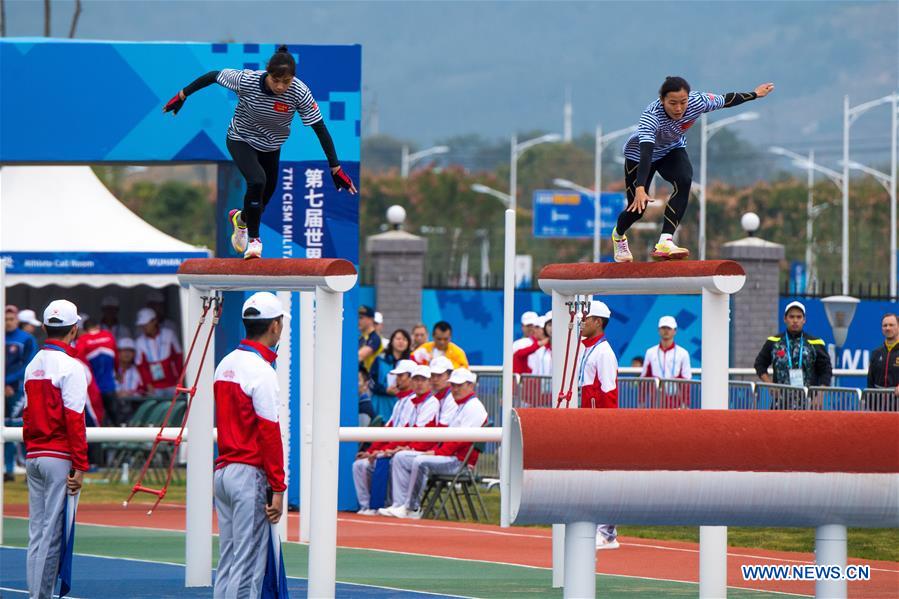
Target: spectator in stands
pixel 524 347
pixel 442 345
pixel 369 340
pixel 29 323
pixel 128 381
pixel 419 335
pixel 383 383
pixel 667 360
pixel 366 411
pixel 109 319
pixel 21 347
pixel 883 366
pixel 410 471
pixel 798 359
pixel 156 302
pixel 158 355
pixel 97 348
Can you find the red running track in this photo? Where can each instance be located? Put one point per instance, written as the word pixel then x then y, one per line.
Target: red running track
pixel 517 546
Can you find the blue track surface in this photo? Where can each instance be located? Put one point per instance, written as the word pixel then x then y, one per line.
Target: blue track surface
pixel 114 578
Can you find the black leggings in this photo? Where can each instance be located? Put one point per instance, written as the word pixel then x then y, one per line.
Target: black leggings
pixel 675 168
pixel 260 169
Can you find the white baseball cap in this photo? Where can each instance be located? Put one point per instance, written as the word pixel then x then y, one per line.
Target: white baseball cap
pixel 405 367
pixel 667 321
pixel 598 308
pixel 441 364
pixel 529 318
pixel 541 321
pixel 379 318
pixel 145 316
pixel 63 312
pixel 462 375
pixel 548 316
pixel 422 370
pixel 29 317
pixel 266 303
pixel 125 343
pixel 794 305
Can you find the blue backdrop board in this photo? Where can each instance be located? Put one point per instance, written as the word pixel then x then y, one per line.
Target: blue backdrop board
pixel 110 111
pixel 562 213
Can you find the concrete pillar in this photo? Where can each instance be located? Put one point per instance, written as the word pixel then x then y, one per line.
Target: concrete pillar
pixel 754 313
pixel 398 258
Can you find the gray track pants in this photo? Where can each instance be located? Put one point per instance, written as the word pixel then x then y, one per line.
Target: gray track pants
pixel 416 470
pixel 46 506
pixel 243 531
pixel 362 469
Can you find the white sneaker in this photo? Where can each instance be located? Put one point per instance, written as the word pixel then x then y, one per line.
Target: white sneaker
pixel 603 543
pixel 622 251
pixel 367 512
pixel 390 512
pixel 412 515
pixel 239 234
pixel 254 249
pixel 667 250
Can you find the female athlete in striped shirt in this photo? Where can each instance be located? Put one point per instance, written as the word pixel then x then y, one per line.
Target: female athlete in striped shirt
pixel 659 145
pixel 266 103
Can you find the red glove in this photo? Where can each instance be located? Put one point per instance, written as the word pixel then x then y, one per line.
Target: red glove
pixel 174 105
pixel 342 180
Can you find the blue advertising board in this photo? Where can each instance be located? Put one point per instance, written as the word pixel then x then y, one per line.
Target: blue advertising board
pixel 562 213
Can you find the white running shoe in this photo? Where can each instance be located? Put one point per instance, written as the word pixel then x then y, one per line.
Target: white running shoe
pixel 603 543
pixel 667 250
pixel 239 235
pixel 254 249
pixel 409 514
pixel 367 512
pixel 390 512
pixel 622 251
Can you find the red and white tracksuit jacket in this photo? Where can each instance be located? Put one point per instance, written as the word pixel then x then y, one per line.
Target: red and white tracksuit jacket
pixel 422 412
pixel 55 398
pixel 159 359
pixel 522 349
pixel 471 414
pixel 399 417
pixel 671 363
pixel 247 398
pixel 598 378
pixel 446 407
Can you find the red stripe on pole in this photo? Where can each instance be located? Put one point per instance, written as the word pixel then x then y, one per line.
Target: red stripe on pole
pixel 641 270
pixel 268 267
pixel 720 440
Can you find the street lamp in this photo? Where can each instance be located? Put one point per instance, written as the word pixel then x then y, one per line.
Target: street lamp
pixel 502 197
pixel 889 183
pixel 706 132
pixel 850 114
pixel 409 159
pixel 812 211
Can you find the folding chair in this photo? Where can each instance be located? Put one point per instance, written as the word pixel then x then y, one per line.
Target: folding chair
pixel 464 479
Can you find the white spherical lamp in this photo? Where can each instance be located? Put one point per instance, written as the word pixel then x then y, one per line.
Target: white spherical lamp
pixel 396 216
pixel 750 223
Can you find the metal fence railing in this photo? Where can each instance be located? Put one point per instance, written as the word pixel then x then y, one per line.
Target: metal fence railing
pixel 879 400
pixel 844 399
pixel 638 392
pixel 741 395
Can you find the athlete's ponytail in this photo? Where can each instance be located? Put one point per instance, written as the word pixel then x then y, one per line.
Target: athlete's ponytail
pixel 282 64
pixel 673 84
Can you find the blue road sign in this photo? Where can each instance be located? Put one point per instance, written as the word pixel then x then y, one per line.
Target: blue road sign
pixel 562 213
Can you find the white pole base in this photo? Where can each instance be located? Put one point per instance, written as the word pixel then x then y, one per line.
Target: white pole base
pixel 830 550
pixel 580 560
pixel 558 556
pixel 712 562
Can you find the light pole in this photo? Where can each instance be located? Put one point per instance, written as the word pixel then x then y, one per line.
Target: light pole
pixel 889 183
pixel 850 114
pixel 812 211
pixel 706 132
pixel 506 200
pixel 408 159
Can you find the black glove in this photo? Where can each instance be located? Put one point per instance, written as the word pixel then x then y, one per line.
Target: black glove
pixel 342 180
pixel 174 105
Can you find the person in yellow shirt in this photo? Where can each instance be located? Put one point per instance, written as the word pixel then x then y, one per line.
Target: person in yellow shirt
pixel 441 345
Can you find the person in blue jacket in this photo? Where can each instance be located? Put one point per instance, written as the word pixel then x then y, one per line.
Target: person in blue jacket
pixel 383 384
pixel 20 349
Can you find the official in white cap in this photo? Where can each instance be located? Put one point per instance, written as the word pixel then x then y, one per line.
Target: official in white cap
pixel 796 357
pixel 441 369
pixel 410 472
pixel 667 360
pixel 364 464
pixel 251 456
pixel 158 355
pixel 128 381
pixel 524 348
pixel 598 383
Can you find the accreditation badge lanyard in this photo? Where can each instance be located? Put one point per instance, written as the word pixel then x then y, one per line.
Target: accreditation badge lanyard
pixel 248 348
pixel 585 358
pixel 154 357
pixel 663 359
pixel 796 377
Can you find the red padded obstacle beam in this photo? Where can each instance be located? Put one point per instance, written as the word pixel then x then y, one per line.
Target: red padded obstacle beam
pixel 270 274
pixel 711 440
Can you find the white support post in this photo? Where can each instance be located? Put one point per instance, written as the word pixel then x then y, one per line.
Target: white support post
pixel 307 342
pixel 198 555
pixel 283 367
pixel 715 352
pixel 580 560
pixel 325 439
pixel 559 340
pixel 830 550
pixel 508 317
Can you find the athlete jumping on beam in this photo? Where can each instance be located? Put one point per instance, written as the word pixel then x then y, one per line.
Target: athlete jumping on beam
pixel 266 103
pixel 659 145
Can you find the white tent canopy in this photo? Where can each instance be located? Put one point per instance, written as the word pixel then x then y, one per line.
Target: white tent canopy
pixel 59 225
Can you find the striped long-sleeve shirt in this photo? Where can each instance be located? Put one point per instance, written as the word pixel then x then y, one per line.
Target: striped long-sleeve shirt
pixel 262 118
pixel 657 127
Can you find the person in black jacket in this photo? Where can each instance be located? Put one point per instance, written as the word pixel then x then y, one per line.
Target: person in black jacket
pixel 797 358
pixel 883 365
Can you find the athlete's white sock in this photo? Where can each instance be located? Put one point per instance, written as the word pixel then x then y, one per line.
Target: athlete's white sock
pixel 665 237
